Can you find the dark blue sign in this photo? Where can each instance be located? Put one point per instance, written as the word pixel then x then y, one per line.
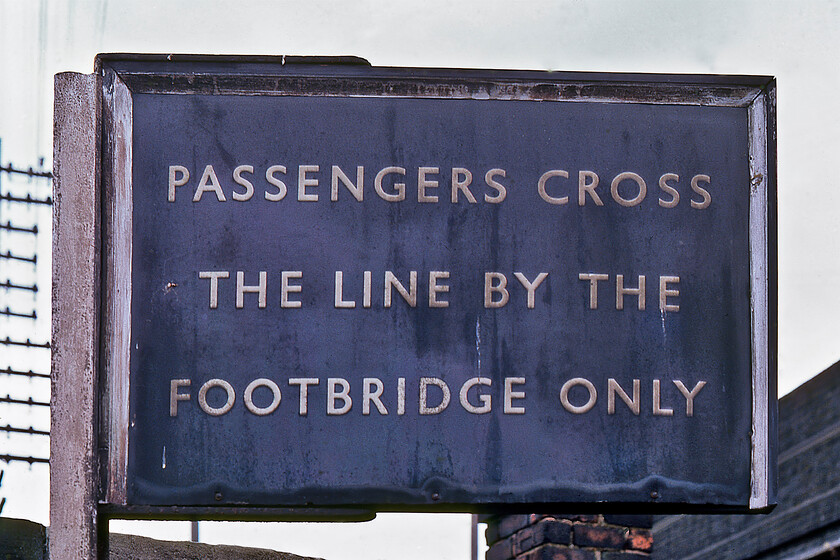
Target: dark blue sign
pixel 410 302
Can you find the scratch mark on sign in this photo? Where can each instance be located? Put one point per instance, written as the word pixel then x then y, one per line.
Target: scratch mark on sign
pixel 664 333
pixel 163 461
pixel 478 341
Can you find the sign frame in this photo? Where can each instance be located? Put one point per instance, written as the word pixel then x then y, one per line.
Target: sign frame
pixel 120 76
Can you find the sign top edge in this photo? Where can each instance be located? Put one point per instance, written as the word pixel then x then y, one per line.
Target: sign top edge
pixel 137 63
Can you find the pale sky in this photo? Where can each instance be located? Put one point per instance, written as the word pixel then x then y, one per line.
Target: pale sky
pixel 796 41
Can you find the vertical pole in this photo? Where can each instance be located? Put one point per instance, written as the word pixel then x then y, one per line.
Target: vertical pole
pixel 474 537
pixel 74 468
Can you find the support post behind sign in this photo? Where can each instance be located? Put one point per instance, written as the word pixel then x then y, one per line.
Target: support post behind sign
pixel 74 473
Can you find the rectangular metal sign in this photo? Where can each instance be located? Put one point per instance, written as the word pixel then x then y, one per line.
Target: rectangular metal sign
pixel 332 285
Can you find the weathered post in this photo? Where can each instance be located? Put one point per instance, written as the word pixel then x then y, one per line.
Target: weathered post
pixel 74 471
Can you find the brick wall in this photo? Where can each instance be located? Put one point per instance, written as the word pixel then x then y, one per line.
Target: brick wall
pixel 569 537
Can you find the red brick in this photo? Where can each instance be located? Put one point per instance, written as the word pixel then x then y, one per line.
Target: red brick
pixel 548 530
pixel 556 531
pixel 509 524
pixel 600 536
pixel 585 518
pixel 557 552
pixel 639 539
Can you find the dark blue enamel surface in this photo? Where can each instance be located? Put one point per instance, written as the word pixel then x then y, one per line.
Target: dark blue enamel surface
pixel 545 455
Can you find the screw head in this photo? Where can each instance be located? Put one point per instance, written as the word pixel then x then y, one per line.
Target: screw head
pixel 435 496
pixel 654 494
pixel 218 496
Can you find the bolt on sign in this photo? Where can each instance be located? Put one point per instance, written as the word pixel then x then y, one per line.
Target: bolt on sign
pixel 328 284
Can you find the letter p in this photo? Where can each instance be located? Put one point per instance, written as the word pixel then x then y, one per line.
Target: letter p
pixel 175 180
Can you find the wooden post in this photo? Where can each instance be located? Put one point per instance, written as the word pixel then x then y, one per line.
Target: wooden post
pixel 74 468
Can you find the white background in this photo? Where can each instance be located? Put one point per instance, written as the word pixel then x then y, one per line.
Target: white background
pixel 796 41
